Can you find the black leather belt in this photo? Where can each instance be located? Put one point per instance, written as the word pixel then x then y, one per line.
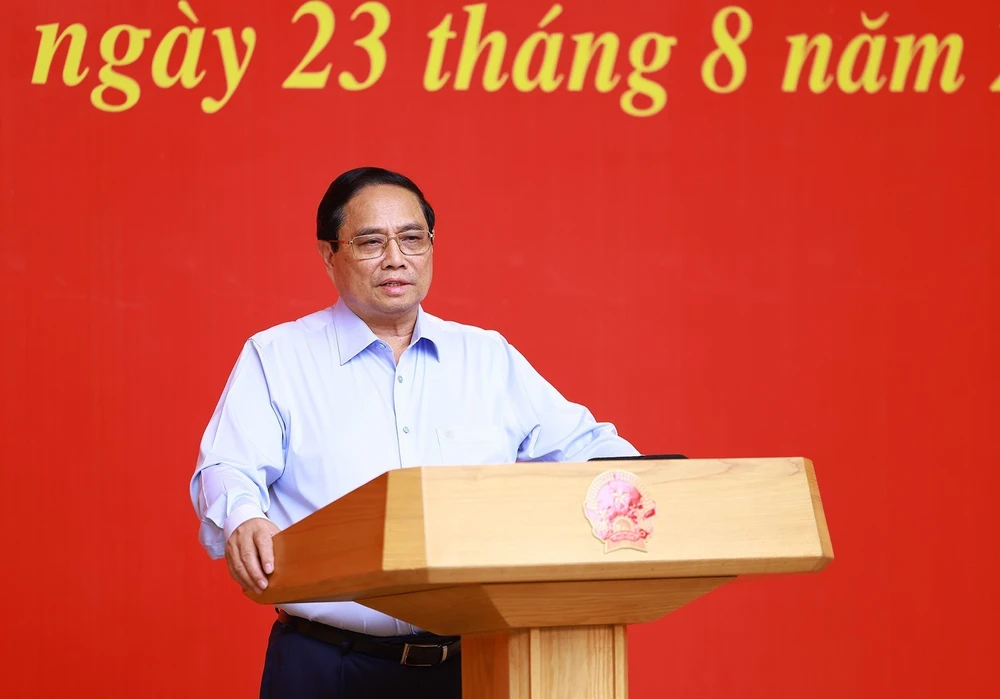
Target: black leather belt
pixel 405 653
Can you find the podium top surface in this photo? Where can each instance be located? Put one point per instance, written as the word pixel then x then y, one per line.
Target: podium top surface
pixel 422 528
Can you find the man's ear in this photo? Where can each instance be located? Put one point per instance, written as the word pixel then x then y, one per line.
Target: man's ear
pixel 326 253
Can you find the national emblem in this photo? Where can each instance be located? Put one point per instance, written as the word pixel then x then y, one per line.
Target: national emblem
pixel 620 511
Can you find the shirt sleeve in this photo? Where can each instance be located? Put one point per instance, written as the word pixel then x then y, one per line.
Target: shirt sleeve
pixel 242 452
pixel 558 429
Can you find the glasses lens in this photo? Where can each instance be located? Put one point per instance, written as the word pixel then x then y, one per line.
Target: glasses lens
pixel 414 242
pixel 368 246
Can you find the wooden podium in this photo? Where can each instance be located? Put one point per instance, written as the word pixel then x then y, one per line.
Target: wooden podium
pixel 540 567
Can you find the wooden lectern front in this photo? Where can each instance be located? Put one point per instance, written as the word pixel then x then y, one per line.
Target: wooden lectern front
pixel 539 567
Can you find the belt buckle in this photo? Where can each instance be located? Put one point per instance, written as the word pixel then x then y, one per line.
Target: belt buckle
pixel 406 654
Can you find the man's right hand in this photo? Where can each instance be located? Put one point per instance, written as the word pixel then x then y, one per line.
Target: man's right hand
pixel 250 555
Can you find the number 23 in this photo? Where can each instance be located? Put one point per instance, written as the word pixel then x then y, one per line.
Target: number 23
pixel 371 43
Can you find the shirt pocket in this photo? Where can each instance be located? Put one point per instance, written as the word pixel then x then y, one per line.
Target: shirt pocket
pixel 474 445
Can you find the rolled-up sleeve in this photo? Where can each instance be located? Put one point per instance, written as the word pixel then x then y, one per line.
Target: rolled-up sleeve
pixel 557 429
pixel 242 452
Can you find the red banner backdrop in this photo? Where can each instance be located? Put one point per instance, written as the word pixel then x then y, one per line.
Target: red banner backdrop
pixel 751 230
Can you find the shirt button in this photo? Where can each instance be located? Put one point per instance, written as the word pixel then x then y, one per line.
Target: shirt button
pixel 406 430
pixel 400 379
pixel 381 345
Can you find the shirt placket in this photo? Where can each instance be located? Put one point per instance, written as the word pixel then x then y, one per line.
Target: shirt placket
pixel 403 406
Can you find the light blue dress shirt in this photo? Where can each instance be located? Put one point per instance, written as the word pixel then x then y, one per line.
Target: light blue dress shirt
pixel 317 407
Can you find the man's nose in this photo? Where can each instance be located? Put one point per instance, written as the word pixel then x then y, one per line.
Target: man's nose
pixel 393 257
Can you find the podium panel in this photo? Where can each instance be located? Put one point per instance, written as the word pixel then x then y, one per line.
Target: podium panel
pixel 540 567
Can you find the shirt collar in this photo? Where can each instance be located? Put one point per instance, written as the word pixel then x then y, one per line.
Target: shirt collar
pixel 354 335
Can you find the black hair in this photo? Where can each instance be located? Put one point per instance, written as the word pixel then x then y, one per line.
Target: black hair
pixel 330 214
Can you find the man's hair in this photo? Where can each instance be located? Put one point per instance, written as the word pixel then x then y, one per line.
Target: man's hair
pixel 330 214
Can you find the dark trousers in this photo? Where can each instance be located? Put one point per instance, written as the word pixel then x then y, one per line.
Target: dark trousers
pixel 300 667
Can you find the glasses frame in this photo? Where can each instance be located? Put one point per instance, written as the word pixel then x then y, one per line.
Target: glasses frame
pixel 389 239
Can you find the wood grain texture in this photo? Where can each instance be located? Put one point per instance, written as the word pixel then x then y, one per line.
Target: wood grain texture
pixel 822 528
pixel 620 636
pixel 420 529
pixel 405 546
pixel 714 518
pixel 336 549
pixel 493 665
pixel 482 608
pixel 588 662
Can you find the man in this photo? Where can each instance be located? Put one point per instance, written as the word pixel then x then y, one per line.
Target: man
pixel 320 406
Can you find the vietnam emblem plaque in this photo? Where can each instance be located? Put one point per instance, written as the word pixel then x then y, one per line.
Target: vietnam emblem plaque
pixel 620 511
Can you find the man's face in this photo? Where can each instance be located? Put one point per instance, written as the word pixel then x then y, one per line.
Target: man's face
pixel 391 286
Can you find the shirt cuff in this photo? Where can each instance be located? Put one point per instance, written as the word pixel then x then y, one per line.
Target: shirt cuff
pixel 240 514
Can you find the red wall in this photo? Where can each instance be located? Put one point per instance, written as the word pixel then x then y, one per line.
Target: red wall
pixel 756 273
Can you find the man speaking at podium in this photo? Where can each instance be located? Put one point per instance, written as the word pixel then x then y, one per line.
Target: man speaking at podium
pixel 320 406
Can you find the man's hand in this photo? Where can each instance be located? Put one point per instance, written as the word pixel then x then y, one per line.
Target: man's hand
pixel 250 555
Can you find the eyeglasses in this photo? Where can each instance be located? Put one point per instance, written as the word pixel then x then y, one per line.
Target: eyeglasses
pixel 368 247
